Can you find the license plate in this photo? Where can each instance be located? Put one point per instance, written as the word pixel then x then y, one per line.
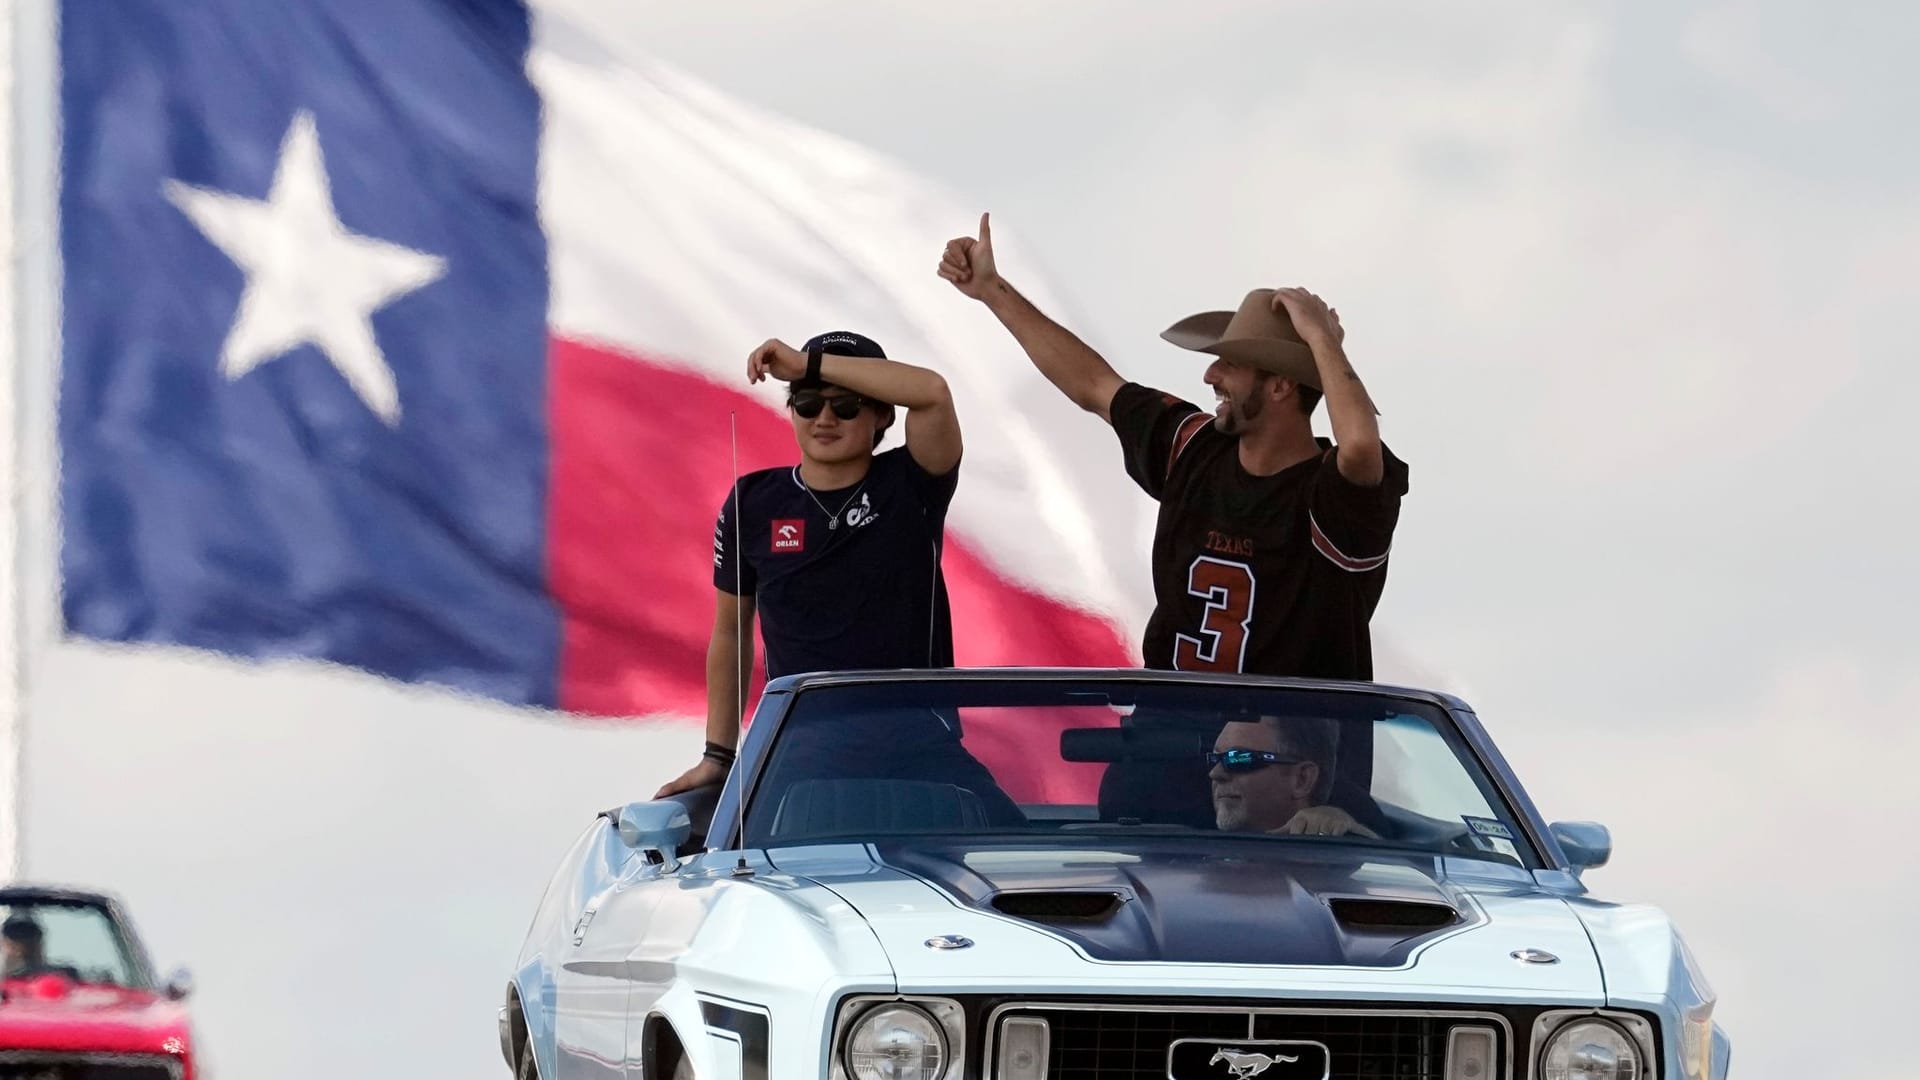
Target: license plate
pixel 1218 1059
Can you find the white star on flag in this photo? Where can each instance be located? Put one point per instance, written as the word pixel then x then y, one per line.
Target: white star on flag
pixel 308 278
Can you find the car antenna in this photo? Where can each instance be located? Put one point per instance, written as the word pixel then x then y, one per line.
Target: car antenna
pixel 740 635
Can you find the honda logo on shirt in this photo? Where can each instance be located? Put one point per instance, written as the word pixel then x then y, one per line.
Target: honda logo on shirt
pixel 789 534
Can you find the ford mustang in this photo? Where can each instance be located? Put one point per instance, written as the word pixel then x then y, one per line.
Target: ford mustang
pixel 1101 875
pixel 78 998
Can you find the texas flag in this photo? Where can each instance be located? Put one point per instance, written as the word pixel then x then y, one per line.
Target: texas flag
pixel 408 336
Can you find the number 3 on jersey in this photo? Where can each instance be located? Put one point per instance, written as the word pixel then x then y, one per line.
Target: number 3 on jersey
pixel 1227 587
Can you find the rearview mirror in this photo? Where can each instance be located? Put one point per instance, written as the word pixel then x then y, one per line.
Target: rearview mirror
pixel 1587 843
pixel 656 829
pixel 179 984
pixel 1133 743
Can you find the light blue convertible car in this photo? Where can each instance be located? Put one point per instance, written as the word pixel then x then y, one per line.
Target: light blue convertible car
pixel 1101 875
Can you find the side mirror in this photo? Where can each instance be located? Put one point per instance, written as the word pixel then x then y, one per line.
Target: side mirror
pixel 179 985
pixel 700 803
pixel 656 829
pixel 1588 844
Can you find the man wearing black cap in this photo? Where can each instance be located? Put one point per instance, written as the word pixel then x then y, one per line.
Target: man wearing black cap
pixel 837 556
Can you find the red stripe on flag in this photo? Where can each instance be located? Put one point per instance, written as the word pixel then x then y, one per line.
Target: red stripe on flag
pixel 641 465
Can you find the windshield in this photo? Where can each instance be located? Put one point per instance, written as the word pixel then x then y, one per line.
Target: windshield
pixel 74 939
pixel 1095 759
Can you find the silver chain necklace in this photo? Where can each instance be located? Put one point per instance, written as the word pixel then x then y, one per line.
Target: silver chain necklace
pixel 833 519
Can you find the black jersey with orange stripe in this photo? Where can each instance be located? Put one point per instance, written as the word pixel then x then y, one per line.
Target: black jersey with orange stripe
pixel 1271 575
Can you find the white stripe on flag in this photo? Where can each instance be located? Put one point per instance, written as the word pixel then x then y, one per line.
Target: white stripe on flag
pixel 689 227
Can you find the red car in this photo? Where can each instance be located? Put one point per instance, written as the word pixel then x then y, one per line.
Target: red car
pixel 78 1000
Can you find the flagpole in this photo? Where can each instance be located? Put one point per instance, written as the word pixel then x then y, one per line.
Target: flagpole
pixel 29 348
pixel 12 467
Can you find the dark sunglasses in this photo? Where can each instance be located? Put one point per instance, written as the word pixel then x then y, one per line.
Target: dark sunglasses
pixel 1238 760
pixel 845 406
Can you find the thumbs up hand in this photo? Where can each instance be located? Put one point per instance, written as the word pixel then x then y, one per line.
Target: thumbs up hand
pixel 968 262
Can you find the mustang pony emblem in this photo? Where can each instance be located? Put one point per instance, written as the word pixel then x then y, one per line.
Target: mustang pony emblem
pixel 1241 1064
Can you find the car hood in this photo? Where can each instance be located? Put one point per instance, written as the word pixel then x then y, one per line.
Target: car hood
pixel 1211 917
pixel 52 1014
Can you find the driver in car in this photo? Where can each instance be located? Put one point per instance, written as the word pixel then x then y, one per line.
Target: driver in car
pixel 1274 774
pixel 24 946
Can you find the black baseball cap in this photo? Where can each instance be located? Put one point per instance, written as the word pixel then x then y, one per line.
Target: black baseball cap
pixel 838 343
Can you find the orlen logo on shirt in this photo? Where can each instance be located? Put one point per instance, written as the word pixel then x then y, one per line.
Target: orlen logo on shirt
pixel 789 534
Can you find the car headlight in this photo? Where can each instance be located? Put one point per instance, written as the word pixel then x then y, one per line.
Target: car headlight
pixel 896 1042
pixel 1591 1049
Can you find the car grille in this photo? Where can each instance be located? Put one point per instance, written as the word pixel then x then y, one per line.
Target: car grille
pixel 1121 1043
pixel 33 1065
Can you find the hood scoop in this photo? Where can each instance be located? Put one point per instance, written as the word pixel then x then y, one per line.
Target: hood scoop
pixel 1060 905
pixel 1377 915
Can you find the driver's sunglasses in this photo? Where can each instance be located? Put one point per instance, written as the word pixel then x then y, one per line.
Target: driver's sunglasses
pixel 845 406
pixel 1238 760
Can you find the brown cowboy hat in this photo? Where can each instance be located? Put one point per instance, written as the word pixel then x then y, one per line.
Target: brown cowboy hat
pixel 1256 335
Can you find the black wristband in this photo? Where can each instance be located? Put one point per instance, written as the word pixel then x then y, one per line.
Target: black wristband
pixel 813 365
pixel 719 755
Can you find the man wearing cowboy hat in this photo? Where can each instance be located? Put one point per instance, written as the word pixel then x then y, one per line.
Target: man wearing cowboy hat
pixel 1270 552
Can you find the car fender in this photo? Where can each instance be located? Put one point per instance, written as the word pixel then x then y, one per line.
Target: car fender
pixel 678 1012
pixel 1648 967
pixel 589 861
pixel 740 962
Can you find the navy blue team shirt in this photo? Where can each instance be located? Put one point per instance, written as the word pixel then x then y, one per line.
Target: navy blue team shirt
pixel 854 585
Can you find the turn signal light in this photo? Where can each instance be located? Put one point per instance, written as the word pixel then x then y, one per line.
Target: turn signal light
pixel 1470 1053
pixel 1023 1049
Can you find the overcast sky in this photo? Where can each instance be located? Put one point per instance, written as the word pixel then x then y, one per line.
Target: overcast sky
pixel 1634 286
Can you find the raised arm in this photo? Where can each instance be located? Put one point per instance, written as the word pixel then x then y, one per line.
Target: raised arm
pixel 1356 427
pixel 1067 362
pixel 933 427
